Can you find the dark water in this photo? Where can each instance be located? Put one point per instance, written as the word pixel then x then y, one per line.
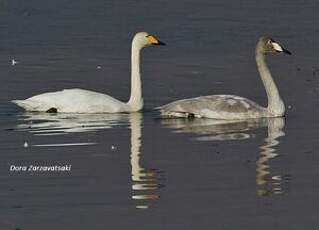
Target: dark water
pixel 137 171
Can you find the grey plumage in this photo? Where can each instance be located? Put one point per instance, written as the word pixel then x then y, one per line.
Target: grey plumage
pixel 213 106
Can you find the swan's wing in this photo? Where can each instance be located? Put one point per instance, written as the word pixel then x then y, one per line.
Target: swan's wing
pixel 73 101
pixel 215 106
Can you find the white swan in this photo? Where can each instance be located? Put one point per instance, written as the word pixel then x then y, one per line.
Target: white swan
pixel 85 101
pixel 233 107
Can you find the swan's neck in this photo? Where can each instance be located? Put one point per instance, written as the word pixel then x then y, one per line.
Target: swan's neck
pixel 136 100
pixel 276 106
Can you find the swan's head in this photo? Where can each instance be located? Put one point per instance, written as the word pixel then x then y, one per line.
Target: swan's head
pixel 268 45
pixel 143 39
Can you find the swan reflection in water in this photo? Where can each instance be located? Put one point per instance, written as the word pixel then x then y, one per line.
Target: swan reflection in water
pixel 145 182
pixel 267 182
pixel 63 123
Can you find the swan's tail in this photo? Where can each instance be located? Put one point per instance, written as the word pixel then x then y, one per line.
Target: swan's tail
pixel 28 105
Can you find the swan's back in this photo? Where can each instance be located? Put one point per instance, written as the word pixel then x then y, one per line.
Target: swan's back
pixel 73 101
pixel 214 106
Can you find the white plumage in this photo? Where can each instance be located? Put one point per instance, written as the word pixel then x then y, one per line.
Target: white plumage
pixel 73 101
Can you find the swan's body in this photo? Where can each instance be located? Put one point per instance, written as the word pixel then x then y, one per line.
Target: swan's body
pixel 214 106
pixel 233 107
pixel 85 101
pixel 74 101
